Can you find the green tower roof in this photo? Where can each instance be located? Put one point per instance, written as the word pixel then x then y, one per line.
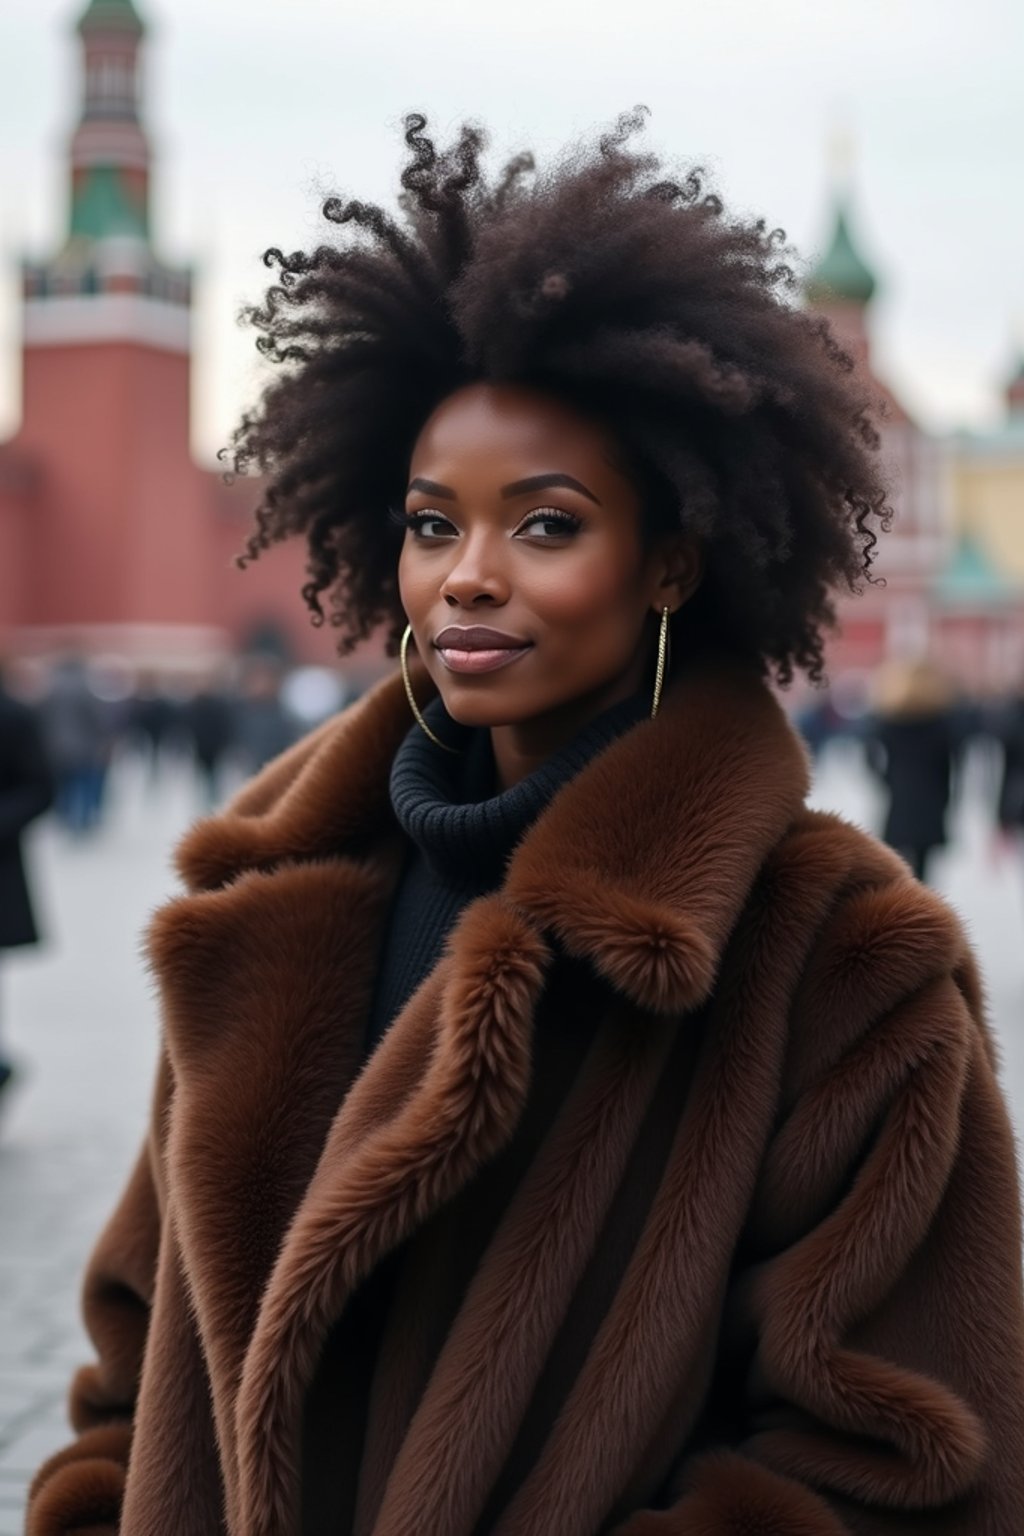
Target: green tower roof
pixel 971 577
pixel 115 15
pixel 842 273
pixel 103 206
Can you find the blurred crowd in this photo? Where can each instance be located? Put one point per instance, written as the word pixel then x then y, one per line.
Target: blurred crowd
pixel 226 722
pixel 915 728
pixel 911 724
pixel 65 723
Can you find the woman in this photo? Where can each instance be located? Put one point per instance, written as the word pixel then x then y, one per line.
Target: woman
pixel 560 1128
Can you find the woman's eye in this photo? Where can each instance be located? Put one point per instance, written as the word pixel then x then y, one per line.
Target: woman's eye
pixel 550 523
pixel 543 525
pixel 428 525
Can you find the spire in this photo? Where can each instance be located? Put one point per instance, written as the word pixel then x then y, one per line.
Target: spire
pixel 841 274
pixel 109 151
pixel 108 248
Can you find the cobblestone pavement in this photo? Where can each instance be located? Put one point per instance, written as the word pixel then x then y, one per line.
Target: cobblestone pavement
pixel 81 1024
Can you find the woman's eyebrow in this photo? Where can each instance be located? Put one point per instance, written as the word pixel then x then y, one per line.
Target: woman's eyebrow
pixel 431 488
pixel 517 488
pixel 546 483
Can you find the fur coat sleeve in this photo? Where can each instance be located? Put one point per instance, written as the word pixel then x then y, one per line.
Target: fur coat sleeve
pixel 880 1291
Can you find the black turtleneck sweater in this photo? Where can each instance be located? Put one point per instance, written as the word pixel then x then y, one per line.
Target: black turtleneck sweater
pixel 461 835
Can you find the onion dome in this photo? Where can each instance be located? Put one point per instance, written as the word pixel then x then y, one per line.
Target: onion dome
pixel 111 16
pixel 841 274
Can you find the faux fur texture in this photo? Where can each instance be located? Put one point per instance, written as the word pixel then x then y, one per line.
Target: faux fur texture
pixel 818 1330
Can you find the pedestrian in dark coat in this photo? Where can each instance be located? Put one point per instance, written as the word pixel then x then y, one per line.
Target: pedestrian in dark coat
pixel 263 725
pixel 1007 726
pixel 26 791
pixel 78 734
pixel 913 745
pixel 210 722
pixel 560 1130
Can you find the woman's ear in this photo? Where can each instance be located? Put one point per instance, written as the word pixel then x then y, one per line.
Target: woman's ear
pixel 678 571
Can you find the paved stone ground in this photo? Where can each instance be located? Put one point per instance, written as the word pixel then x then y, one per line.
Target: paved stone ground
pixel 82 1026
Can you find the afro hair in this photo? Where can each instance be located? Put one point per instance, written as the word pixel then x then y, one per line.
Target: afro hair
pixel 623 290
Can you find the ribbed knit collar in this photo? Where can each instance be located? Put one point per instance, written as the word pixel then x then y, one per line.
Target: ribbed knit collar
pixel 447 804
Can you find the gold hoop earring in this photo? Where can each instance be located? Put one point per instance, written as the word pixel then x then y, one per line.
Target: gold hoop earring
pixel 659 676
pixel 417 713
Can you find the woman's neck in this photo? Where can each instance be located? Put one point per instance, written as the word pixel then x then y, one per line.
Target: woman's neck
pixel 521 747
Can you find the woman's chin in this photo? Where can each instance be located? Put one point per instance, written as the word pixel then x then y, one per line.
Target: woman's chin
pixel 478 718
pixel 482 708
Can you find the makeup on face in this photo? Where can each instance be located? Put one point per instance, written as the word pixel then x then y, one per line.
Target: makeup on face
pixel 524 570
pixel 476 648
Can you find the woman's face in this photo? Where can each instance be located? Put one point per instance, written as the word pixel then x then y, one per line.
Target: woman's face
pixel 525 573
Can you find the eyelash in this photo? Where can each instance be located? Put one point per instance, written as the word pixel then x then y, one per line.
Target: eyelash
pixel 568 521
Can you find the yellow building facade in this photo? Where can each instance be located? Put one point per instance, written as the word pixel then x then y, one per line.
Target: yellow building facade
pixel 987 484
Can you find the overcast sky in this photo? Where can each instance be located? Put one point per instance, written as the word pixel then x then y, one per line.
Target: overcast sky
pixel 255 110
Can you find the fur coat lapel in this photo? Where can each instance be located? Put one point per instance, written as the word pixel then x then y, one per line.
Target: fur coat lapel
pixel 640 865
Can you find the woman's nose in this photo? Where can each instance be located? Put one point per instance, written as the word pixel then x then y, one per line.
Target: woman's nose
pixel 475 575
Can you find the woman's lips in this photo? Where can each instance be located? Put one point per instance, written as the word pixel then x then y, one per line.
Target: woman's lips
pixel 479 660
pixel 470 648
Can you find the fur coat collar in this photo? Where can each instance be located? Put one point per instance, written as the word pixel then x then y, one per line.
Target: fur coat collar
pixel 641 866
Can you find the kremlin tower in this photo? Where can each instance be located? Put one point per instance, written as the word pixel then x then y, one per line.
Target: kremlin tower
pixel 111 537
pixel 897 618
pixel 842 285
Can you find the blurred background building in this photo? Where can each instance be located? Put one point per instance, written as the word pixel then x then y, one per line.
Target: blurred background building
pixel 111 538
pixel 953 563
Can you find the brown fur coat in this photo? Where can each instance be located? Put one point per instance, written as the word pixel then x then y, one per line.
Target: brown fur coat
pixel 817 1328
